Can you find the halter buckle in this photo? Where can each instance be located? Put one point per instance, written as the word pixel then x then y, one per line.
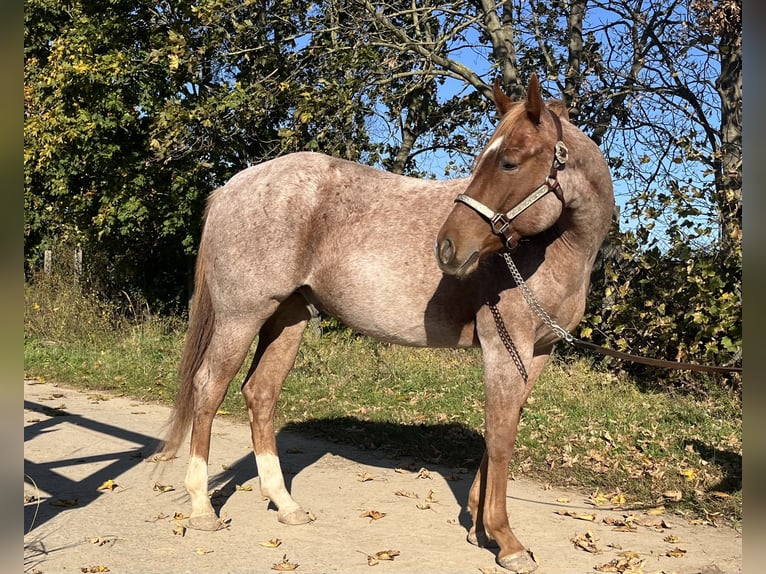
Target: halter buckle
pixel 499 224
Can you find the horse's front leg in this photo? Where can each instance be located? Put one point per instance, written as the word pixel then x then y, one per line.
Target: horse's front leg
pixel 505 397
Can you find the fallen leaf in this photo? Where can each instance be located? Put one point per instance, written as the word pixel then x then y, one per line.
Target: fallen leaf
pixel 656 511
pixel 674 495
pixel 688 473
pixel 618 499
pixel 675 552
pixel 598 499
pixel 620 524
pixel 424 473
pixel 179 530
pixel 102 541
pixel 628 563
pixel 431 496
pixel 107 485
pixel 163 487
pixel 179 516
pixel 222 412
pixel 94 569
pixel 246 488
pixel 386 554
pixel 284 566
pixel 586 542
pixel 203 551
pixel 365 476
pixel 562 500
pixel 406 493
pixel 402 471
pixel 671 539
pixel 423 506
pixel 273 543
pixel 372 514
pixel 719 494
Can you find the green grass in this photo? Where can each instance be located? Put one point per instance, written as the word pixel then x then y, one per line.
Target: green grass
pixel 583 425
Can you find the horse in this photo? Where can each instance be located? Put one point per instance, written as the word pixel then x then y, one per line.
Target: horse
pixel 403 260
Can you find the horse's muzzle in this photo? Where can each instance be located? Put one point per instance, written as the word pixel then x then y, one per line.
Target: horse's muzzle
pixel 446 256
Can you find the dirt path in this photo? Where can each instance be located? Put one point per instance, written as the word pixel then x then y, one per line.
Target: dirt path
pixel 75 441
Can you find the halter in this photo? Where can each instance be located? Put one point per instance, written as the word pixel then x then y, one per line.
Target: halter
pixel 501 222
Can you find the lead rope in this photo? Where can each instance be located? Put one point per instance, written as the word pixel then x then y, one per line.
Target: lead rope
pixel 566 336
pixel 508 342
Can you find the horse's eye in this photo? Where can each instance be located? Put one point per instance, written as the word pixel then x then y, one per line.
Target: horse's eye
pixel 508 165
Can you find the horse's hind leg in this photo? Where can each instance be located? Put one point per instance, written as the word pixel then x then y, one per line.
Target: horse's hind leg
pixel 278 343
pixel 223 358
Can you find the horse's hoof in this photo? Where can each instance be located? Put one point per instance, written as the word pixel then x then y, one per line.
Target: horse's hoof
pixel 298 516
pixel 482 541
pixel 208 522
pixel 519 563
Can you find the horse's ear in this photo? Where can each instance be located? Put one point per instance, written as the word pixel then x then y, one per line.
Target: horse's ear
pixel 534 105
pixel 502 102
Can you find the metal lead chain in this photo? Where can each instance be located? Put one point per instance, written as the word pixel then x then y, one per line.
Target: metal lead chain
pixel 508 342
pixel 533 304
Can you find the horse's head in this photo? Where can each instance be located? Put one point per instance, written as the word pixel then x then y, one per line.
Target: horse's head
pixel 513 192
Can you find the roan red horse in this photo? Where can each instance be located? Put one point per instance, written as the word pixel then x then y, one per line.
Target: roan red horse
pixel 306 232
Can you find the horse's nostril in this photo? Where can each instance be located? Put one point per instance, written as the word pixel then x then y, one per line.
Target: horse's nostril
pixel 446 251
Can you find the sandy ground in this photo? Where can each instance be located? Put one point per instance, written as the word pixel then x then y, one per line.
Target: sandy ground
pixel 74 442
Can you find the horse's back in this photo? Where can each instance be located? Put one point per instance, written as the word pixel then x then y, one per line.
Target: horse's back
pixel 355 240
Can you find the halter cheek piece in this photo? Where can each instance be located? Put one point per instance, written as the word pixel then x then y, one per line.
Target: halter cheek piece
pixel 501 222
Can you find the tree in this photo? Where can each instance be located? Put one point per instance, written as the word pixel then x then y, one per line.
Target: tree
pixel 135 111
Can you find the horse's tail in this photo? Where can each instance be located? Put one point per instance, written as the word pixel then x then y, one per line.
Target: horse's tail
pixel 198 338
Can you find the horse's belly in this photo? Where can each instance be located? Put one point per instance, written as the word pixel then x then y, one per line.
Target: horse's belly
pixel 401 312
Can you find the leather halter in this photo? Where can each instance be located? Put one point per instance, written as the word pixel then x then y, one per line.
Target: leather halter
pixel 501 222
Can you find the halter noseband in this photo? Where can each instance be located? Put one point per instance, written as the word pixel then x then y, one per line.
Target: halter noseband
pixel 501 222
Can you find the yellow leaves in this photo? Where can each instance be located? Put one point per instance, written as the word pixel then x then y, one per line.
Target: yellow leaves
pixel 179 529
pixel 162 488
pixel 373 559
pixel 245 488
pixel 272 543
pixel 689 474
pixel 107 485
pixel 572 514
pixel 656 511
pixel 98 568
pixel 285 565
pixel 173 62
